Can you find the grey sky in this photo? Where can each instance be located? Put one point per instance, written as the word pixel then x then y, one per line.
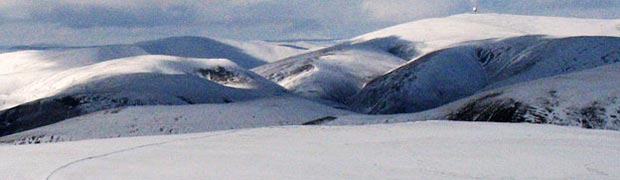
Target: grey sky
pixel 88 22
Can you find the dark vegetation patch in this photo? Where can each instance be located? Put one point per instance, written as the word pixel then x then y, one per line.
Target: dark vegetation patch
pixel 301 69
pixel 185 100
pixel 293 46
pixel 593 117
pixel 38 113
pixel 220 74
pixel 320 121
pixel 488 109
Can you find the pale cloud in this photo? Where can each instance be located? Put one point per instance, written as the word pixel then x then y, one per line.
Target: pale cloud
pixel 85 22
pixel 403 10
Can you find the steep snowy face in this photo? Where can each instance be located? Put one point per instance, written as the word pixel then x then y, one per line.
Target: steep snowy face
pixel 450 74
pixel 140 80
pixel 333 74
pixel 440 33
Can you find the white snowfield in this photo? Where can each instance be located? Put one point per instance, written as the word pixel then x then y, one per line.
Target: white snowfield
pixel 439 33
pixel 161 120
pixel 422 150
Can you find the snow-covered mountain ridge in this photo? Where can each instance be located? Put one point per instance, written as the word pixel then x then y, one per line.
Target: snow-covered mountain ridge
pixel 440 33
pixel 411 67
pixel 64 91
pixel 336 73
pixel 450 74
pixel 588 99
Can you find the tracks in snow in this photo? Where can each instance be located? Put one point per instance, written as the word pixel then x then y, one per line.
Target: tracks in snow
pixel 55 171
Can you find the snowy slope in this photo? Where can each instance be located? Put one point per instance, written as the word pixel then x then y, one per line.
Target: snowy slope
pixel 447 75
pixel 332 74
pixel 38 74
pixel 159 120
pixel 440 33
pixel 141 80
pixel 423 150
pixel 588 99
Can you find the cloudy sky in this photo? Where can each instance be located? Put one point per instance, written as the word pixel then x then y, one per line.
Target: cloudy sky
pixel 92 22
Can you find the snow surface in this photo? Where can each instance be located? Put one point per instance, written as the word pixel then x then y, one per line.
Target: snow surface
pixel 159 120
pixel 422 150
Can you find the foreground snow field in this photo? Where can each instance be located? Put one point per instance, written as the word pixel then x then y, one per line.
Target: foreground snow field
pixel 422 150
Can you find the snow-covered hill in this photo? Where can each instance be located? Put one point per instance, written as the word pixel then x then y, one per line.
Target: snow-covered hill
pixel 245 54
pixel 332 74
pixel 450 74
pixel 53 91
pixel 335 74
pixel 21 69
pixel 160 120
pixel 588 99
pixel 440 33
pixel 422 150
